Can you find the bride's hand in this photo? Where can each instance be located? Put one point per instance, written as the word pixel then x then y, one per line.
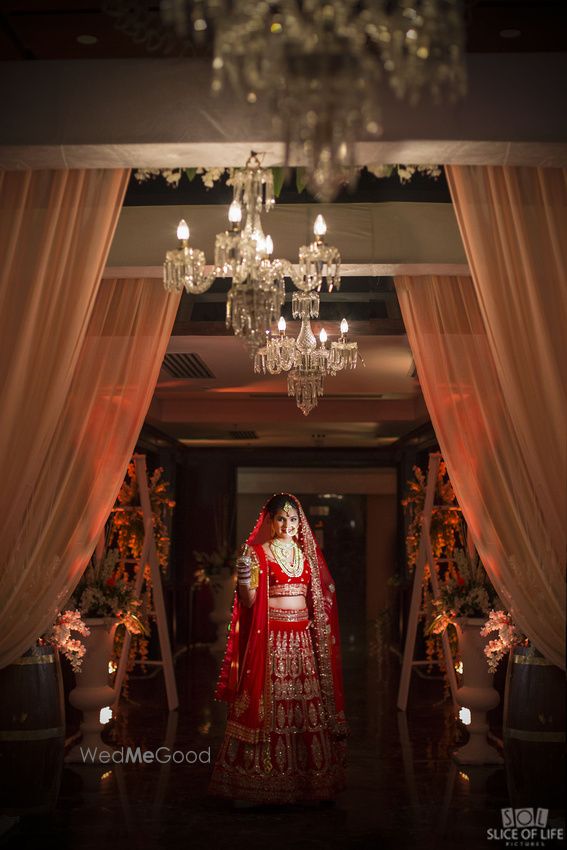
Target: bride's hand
pixel 244 569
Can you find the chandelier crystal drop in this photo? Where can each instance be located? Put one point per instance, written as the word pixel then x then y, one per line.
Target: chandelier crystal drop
pixel 320 66
pixel 306 386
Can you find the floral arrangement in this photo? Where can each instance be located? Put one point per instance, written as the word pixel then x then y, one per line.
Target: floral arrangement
pixel 445 515
pixel 59 636
pixel 405 172
pixel 210 176
pixel 125 531
pixel 101 592
pixel 465 592
pixel 128 519
pixel 446 529
pixel 509 636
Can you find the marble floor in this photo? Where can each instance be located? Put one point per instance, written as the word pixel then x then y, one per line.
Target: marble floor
pixel 404 788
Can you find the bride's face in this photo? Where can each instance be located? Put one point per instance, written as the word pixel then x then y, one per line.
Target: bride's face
pixel 285 525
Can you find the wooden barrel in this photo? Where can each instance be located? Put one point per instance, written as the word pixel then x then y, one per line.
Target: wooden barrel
pixel 32 733
pixel 534 730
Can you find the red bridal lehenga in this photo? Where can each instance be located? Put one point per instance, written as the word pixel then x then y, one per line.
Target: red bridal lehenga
pixel 282 678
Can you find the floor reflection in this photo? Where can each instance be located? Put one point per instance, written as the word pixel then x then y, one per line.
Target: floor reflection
pixel 404 788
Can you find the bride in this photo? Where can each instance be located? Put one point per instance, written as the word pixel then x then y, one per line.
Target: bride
pixel 281 674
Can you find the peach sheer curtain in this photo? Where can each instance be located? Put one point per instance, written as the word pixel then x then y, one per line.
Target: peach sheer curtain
pixel 79 477
pixel 488 351
pixel 80 358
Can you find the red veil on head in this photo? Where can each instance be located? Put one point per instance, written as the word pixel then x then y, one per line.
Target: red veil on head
pixel 244 677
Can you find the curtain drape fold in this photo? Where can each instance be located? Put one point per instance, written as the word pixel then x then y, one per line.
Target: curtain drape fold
pixel 56 228
pixel 80 361
pixel 489 352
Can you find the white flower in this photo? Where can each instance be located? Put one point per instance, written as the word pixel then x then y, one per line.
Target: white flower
pixel 172 176
pixel 405 172
pixel 143 174
pixel 210 176
pixel 380 170
pixel 430 170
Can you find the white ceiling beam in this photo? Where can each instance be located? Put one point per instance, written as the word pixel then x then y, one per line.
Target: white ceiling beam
pixel 159 112
pixel 347 270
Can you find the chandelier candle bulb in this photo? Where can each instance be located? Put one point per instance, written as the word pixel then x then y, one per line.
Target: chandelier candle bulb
pixel 235 214
pixel 183 231
pixel 320 227
pixel 344 327
pixel 269 245
pixel 323 336
pixel 281 325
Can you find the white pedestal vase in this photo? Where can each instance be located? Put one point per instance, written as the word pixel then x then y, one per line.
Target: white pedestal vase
pixel 92 691
pixel 223 592
pixel 476 693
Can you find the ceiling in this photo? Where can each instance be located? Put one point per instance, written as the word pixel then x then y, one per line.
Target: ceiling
pixel 371 406
pixel 87 29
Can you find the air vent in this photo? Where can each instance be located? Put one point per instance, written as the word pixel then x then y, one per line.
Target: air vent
pixel 186 366
pixel 243 435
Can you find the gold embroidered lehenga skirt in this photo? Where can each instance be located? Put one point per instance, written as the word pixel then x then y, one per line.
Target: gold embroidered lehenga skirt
pixel 301 761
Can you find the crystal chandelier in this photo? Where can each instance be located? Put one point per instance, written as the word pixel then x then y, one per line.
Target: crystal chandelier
pixel 243 253
pixel 305 361
pixel 257 291
pixel 319 66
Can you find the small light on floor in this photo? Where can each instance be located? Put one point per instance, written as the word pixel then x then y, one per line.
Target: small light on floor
pixel 459 667
pixel 464 776
pixel 106 775
pixel 105 714
pixel 112 666
pixel 465 716
pixel 87 39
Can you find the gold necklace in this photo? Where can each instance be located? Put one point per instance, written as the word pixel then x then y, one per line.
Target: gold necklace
pixel 294 569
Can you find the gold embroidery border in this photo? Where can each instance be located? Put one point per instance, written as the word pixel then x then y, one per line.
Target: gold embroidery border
pixel 322 637
pixel 288 615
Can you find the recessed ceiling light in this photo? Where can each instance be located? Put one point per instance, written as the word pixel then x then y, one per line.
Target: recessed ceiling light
pixel 87 39
pixel 510 33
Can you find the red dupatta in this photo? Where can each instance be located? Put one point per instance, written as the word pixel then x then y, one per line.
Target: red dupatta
pixel 244 679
